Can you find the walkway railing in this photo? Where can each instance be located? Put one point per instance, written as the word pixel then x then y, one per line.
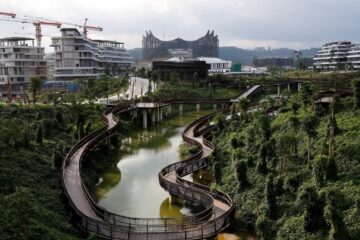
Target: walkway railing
pixel 109 225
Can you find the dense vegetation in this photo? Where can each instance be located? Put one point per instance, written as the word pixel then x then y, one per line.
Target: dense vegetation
pixel 34 141
pixel 174 87
pixel 294 176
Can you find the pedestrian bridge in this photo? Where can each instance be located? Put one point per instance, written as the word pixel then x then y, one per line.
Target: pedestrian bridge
pixel 219 208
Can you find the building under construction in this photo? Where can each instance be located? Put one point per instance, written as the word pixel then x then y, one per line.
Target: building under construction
pixel 154 48
pixel 20 60
pixel 77 56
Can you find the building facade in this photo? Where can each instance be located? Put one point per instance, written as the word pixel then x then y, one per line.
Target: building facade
pixel 217 65
pixel 79 57
pixel 20 60
pixel 185 68
pixel 333 55
pixel 274 62
pixel 154 48
pixel 354 57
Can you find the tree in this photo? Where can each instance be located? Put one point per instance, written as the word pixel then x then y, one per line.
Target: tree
pixel 261 166
pixel 155 78
pixel 263 227
pixel 220 121
pixel 57 158
pixel 306 94
pixel 334 220
pixel 194 79
pixel 216 169
pixel 265 127
pixel 309 124
pixel 356 89
pixel 35 87
pixel 39 135
pixel 286 145
pixel 244 107
pixel 295 107
pixel 270 197
pixel 319 170
pixel 314 209
pixel 241 172
pixel 59 118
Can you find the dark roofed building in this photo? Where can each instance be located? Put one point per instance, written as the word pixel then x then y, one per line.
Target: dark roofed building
pixel 185 68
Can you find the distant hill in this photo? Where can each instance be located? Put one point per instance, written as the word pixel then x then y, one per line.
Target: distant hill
pixel 246 56
pixel 239 55
pixel 136 53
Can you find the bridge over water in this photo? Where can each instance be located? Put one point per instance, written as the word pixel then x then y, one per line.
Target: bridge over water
pixel 218 207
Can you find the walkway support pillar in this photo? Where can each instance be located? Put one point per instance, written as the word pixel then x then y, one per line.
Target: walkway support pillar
pixel 181 109
pixel 145 119
pixel 158 114
pixel 153 116
pixel 169 110
pixel 215 106
pixel 198 107
pixel 161 114
pixel 289 89
pixel 278 90
pixel 299 86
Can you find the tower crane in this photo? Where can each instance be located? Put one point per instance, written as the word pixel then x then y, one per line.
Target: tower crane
pixel 85 27
pixel 36 23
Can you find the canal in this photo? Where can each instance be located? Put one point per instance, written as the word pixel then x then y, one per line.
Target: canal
pixel 131 187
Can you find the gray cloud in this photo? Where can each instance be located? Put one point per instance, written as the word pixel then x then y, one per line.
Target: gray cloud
pixel 242 23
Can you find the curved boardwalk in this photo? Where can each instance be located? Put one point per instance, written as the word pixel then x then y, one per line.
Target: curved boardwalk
pixel 218 207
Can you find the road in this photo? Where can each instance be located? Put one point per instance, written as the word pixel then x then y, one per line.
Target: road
pixel 140 86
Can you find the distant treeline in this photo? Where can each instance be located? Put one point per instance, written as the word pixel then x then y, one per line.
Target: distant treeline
pixel 245 56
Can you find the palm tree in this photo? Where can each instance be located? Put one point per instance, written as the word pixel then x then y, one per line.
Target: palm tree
pixel 35 87
pixel 154 78
pixel 309 124
pixel 244 106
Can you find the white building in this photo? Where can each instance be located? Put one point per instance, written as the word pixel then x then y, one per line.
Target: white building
pixel 20 60
pixel 332 55
pixel 354 57
pixel 79 57
pixel 217 65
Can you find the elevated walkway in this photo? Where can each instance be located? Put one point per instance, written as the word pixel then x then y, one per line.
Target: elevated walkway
pixel 249 92
pixel 219 208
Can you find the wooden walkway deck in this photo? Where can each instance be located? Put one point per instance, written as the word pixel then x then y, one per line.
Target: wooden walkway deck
pixel 219 208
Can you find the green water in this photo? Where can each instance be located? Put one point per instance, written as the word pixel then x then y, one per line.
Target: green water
pixel 132 188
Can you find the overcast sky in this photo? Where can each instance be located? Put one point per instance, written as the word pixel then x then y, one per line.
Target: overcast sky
pixel 242 23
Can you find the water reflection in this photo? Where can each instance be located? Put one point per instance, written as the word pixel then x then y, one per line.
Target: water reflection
pixel 143 155
pixel 131 187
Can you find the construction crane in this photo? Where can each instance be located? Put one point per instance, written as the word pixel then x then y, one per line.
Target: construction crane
pixel 13 15
pixel 36 23
pixel 85 27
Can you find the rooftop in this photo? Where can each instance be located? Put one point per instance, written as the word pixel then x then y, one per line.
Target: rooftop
pixel 15 39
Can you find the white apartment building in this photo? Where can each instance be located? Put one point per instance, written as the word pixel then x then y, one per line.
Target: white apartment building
pixel 332 55
pixel 20 60
pixel 79 57
pixel 354 57
pixel 217 65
